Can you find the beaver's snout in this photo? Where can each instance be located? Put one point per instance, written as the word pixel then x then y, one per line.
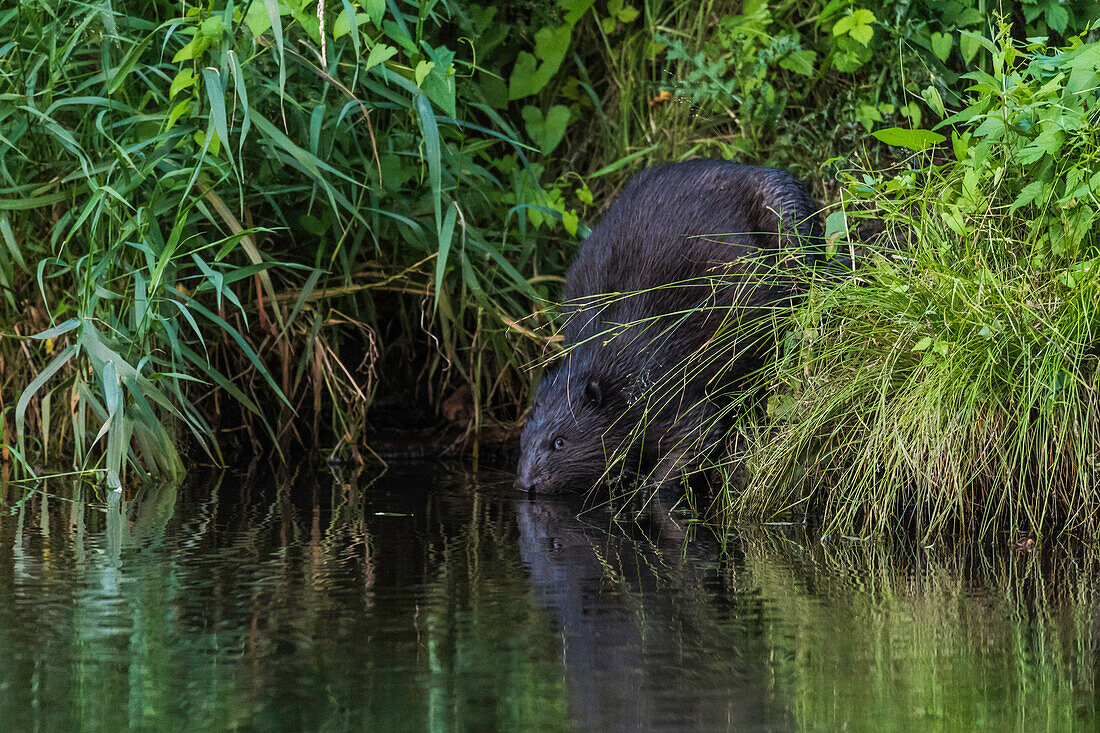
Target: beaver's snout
pixel 526 478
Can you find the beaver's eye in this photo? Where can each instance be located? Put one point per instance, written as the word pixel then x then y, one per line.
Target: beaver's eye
pixel 559 443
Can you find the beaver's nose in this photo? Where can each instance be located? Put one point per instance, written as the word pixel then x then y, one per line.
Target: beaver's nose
pixel 524 481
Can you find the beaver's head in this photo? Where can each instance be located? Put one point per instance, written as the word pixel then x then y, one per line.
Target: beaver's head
pixel 568 437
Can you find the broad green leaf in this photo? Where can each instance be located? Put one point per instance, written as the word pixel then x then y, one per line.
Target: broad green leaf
pixel 213 28
pixel 184 79
pixel 857 25
pixel 969 43
pixel 941 45
pixel 439 83
pixel 397 33
pixel 342 25
pixel 423 68
pixel 379 54
pixel 1084 65
pixel 836 226
pixel 178 111
pixel 351 19
pixel 570 220
pixel 934 100
pixel 960 145
pixel 375 9
pixel 1057 17
pixel 257 18
pixel 551 44
pixel 1029 193
pixel 525 79
pixel 969 16
pixel 546 132
pixel 193 49
pixel 531 73
pixel 628 13
pixel 913 139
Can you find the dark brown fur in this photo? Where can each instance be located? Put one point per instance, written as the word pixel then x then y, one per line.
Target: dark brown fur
pixel 666 307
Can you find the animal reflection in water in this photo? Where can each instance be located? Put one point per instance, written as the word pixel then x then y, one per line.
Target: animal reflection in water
pixel 650 635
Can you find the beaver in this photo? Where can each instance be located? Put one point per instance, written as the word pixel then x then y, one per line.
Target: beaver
pixel 666 312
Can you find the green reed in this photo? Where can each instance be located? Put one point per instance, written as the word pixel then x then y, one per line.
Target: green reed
pixel 216 219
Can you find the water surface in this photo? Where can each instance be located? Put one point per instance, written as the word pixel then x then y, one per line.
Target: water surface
pixel 427 598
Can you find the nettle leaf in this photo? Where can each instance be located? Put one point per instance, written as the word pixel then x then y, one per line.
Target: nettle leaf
pixel 1057 18
pixel 913 139
pixel 1084 66
pixel 800 62
pixel 1030 192
pixel 1048 142
pixel 969 16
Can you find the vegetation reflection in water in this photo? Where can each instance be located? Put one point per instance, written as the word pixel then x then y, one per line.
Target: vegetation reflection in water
pixel 433 600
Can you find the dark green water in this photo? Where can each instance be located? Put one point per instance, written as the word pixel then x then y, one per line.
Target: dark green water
pixel 427 599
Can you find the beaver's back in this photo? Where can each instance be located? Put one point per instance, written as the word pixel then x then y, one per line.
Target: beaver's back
pixel 682 244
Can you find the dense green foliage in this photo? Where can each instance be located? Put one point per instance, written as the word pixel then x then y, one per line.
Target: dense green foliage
pixel 249 222
pixel 952 382
pixel 222 195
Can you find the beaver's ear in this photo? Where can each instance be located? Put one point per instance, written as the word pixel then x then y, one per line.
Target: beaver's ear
pixel 593 393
